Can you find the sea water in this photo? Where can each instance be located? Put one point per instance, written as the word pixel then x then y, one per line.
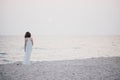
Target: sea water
pixel 48 48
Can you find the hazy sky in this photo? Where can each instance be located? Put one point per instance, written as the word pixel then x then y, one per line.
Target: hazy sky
pixel 59 17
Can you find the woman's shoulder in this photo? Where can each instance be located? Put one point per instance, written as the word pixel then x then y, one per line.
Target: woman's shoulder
pixel 31 38
pixel 28 38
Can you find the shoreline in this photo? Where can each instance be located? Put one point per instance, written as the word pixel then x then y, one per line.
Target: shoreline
pixel 59 60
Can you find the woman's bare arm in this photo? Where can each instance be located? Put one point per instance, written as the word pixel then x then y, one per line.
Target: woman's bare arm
pixel 32 41
pixel 25 44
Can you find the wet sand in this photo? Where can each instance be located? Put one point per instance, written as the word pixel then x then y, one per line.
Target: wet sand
pixel 103 68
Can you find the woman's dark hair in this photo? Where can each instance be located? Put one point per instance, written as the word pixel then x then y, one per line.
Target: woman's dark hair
pixel 27 35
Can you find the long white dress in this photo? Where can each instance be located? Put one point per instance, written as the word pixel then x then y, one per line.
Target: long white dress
pixel 28 51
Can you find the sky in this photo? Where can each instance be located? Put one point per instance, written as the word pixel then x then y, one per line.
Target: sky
pixel 60 17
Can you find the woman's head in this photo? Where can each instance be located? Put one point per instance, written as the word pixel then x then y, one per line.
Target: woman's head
pixel 27 35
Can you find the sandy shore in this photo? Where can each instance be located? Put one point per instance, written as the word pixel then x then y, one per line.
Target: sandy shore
pixel 85 69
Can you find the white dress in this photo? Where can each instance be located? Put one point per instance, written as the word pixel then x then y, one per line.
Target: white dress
pixel 28 51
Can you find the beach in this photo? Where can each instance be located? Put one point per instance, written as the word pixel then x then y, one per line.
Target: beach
pixel 103 68
pixel 61 58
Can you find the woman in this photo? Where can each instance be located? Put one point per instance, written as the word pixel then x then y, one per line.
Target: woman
pixel 28 47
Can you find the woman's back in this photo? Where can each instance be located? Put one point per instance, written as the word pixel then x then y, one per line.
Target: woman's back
pixel 28 45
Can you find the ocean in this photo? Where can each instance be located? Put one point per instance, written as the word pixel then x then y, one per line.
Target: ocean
pixel 49 48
